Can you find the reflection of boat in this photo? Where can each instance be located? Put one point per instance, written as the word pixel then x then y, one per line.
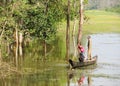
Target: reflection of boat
pixel 82 64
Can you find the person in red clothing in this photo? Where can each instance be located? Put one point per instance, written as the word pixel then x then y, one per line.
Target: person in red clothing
pixel 81 80
pixel 81 52
pixel 81 48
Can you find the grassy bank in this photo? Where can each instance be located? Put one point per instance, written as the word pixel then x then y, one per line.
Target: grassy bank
pixel 99 22
pixel 102 22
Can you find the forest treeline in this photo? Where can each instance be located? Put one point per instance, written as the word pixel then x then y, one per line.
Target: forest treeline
pixel 102 4
pixel 114 9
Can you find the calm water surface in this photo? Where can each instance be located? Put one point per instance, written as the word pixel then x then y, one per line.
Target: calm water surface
pixel 107 46
pixel 105 73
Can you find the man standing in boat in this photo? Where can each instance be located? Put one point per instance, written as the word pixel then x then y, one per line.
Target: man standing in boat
pixel 89 48
pixel 81 52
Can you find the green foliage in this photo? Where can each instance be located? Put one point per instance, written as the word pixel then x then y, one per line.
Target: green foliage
pixel 39 17
pixel 85 1
pixel 40 24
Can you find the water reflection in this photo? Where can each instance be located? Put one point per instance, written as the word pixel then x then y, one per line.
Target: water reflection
pixel 89 80
pixel 51 73
pixel 78 79
pixel 48 76
pixel 81 77
pixel 107 47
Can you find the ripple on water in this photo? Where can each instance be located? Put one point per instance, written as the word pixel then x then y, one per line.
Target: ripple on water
pixel 107 46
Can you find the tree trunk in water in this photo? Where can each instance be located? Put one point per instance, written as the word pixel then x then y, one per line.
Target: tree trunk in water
pixel 68 32
pixel 73 33
pixel 89 81
pixel 0 56
pixel 1 35
pixel 74 45
pixel 20 43
pixel 45 49
pixel 89 48
pixel 16 46
pixel 8 48
pixel 80 21
pixel 74 26
pixel 68 79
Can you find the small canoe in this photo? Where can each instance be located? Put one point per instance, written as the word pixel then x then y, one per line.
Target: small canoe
pixel 75 64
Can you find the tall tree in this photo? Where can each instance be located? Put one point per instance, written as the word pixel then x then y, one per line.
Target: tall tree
pixel 74 27
pixel 80 21
pixel 68 31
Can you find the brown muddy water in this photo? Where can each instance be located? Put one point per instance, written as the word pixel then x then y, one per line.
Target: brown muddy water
pixel 105 73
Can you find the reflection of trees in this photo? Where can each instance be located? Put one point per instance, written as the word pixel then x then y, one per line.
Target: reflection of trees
pixel 75 77
pixel 79 77
pixel 89 80
pixel 70 75
pixel 39 76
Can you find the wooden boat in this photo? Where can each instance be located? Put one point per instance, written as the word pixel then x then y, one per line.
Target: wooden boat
pixel 83 64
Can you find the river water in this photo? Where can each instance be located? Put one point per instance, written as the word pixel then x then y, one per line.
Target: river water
pixel 105 73
pixel 107 47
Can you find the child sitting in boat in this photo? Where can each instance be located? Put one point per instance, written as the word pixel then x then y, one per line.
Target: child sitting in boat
pixel 81 53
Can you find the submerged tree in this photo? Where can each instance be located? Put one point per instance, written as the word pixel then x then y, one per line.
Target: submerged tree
pixel 41 20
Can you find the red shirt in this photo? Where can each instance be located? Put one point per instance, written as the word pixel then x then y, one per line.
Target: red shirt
pixel 81 48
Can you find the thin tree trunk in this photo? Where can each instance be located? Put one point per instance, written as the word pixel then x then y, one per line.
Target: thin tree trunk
pixel 45 49
pixel 68 32
pixel 16 46
pixel 74 45
pixel 20 44
pixel 89 48
pixel 1 35
pixel 68 79
pixel 8 48
pixel 74 24
pixel 0 56
pixel 73 33
pixel 80 21
pixel 89 81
